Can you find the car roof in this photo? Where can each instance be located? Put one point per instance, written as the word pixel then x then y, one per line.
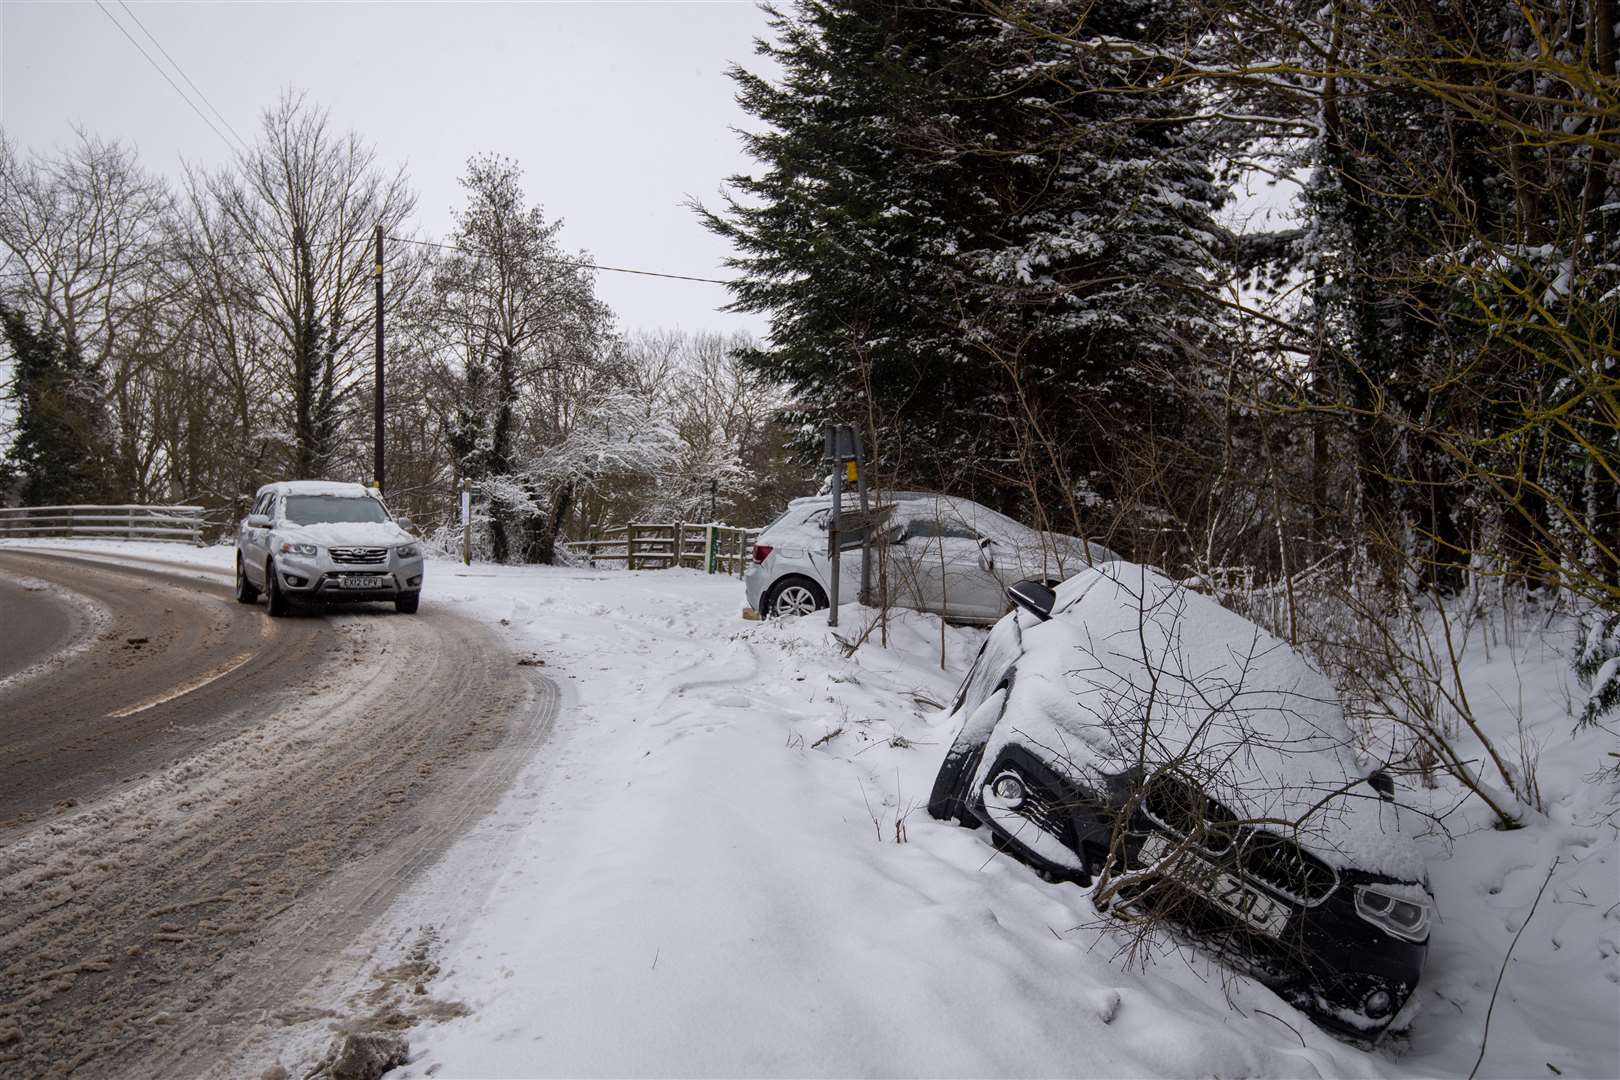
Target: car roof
pixel 317 487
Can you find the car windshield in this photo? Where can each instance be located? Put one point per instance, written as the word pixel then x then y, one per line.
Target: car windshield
pixel 322 509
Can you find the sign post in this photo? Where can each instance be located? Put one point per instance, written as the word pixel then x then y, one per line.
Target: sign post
pixel 466 525
pixel 842 450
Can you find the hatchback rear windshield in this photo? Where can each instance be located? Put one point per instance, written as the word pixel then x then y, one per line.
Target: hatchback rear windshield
pixel 320 509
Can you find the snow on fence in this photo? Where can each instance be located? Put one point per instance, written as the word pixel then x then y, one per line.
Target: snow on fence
pixel 721 549
pixel 181 523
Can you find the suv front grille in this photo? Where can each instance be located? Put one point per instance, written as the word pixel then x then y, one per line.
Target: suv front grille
pixel 359 555
pixel 1185 811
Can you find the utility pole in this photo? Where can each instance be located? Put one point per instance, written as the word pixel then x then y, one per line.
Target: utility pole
pixel 377 451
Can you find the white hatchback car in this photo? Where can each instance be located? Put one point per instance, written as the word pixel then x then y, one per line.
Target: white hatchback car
pixel 949 556
pixel 323 542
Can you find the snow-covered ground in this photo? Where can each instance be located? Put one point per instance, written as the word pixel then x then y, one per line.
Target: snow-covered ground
pixel 703 873
pixel 695 883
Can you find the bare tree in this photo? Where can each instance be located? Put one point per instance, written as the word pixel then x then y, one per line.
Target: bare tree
pixel 287 235
pixel 84 233
pixel 514 314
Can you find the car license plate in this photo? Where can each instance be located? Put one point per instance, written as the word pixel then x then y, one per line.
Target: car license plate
pixel 1227 892
pixel 362 581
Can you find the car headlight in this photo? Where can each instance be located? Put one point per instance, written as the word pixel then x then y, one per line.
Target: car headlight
pixel 408 551
pixel 1399 915
pixel 309 550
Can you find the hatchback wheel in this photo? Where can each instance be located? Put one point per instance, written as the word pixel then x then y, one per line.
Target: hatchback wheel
pixel 795 596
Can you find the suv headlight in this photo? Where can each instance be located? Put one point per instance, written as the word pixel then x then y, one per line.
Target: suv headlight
pixel 308 550
pixel 1399 915
pixel 408 551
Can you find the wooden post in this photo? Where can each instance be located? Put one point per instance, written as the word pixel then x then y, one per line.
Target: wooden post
pixel 742 552
pixel 630 537
pixel 680 543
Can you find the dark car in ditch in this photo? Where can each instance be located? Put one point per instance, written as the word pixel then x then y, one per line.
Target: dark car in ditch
pixel 1127 734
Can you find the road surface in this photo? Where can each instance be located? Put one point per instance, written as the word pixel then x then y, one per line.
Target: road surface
pixel 201 806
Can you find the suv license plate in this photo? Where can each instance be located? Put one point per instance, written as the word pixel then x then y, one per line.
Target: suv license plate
pixel 1227 893
pixel 362 581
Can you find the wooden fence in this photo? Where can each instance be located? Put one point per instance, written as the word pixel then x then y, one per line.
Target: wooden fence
pixel 718 549
pixel 182 523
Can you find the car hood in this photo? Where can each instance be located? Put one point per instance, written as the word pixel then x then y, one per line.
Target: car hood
pixel 1135 673
pixel 358 534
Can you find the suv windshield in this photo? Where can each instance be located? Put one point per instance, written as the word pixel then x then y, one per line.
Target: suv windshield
pixel 321 509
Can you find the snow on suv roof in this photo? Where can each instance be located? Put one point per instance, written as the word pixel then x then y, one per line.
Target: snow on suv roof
pixel 318 487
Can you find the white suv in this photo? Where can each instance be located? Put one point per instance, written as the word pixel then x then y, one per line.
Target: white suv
pixel 323 542
pixel 950 556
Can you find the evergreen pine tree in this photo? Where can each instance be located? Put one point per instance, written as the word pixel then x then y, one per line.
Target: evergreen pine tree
pixel 990 246
pixel 57 453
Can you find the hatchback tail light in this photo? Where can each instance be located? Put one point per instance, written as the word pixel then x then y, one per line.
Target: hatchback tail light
pixel 762 552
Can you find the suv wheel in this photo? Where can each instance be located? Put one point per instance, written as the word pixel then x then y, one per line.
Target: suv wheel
pixel 274 598
pixel 406 603
pixel 794 596
pixel 246 593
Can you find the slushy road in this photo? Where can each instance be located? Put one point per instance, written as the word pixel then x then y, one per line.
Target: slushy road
pixel 200 806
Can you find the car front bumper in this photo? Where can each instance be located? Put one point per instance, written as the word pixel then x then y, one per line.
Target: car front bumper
pixel 1325 959
pixel 323 580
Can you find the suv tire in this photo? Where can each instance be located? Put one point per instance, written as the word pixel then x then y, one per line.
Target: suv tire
pixel 406 603
pixel 246 591
pixel 274 599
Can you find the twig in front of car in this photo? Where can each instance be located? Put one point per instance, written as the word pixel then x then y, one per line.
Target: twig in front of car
pixel 1285 1024
pixel 877 822
pixel 829 737
pixel 1486 1033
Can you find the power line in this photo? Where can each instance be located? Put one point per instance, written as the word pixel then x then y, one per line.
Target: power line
pixel 175 64
pixel 568 262
pixel 165 75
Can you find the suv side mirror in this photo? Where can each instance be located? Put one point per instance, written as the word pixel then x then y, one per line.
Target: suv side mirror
pixel 258 521
pixel 1033 597
pixel 406 523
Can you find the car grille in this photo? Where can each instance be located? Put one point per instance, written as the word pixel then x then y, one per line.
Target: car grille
pixel 355 556
pixel 1185 811
pixel 1046 813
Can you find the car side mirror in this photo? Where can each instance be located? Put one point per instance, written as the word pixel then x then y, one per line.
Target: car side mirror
pixel 258 521
pixel 1033 597
pixel 987 558
pixel 406 523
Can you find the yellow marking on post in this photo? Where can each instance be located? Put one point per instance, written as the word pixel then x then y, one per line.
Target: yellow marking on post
pixel 849 471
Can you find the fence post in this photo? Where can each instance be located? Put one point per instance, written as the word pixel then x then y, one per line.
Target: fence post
pixel 742 552
pixel 631 535
pixel 680 543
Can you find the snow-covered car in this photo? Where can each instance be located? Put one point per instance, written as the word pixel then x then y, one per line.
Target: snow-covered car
pixel 949 556
pixel 322 542
pixel 1127 734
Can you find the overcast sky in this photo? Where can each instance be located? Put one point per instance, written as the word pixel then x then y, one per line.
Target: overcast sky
pixel 616 111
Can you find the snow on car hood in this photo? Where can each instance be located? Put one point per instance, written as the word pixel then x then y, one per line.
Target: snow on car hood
pixel 1135 670
pixel 358 533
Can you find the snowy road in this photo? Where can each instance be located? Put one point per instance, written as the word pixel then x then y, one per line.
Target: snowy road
pixel 175 866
